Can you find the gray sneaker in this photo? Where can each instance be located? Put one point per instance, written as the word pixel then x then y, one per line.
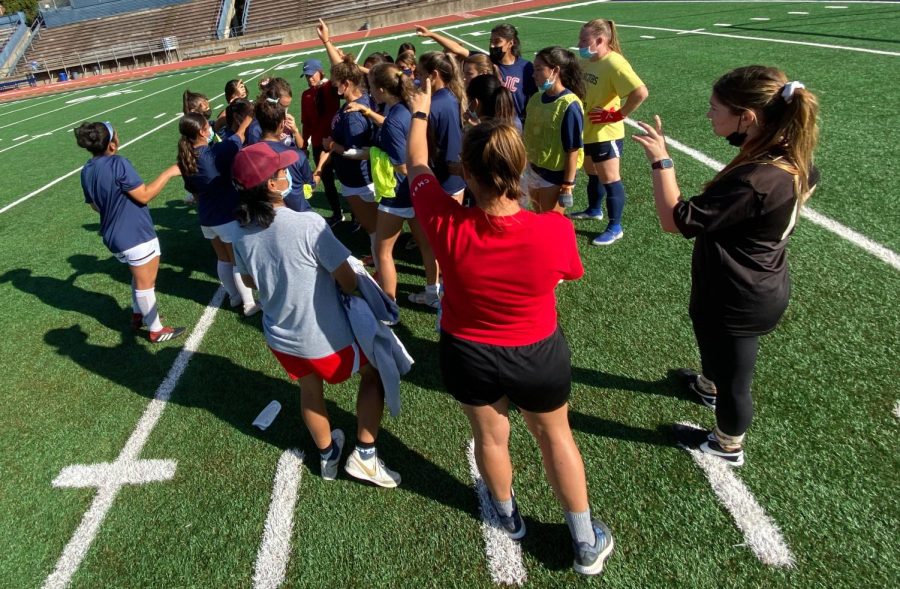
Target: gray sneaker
pixel 329 468
pixel 513 526
pixel 589 560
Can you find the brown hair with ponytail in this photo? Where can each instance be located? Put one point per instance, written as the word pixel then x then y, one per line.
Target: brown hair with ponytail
pixel 494 156
pixel 189 126
pixel 603 27
pixel 390 78
pixel 570 73
pixel 788 126
pixel 449 72
pixel 347 70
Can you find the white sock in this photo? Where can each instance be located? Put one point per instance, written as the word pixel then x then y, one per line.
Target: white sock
pixel 245 293
pixel 146 300
pixel 226 277
pixel 372 247
pixel 134 302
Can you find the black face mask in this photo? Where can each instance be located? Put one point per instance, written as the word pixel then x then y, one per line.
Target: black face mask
pixel 496 54
pixel 737 138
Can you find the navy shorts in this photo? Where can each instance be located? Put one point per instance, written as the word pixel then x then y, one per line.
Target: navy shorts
pixel 604 150
pixel 536 377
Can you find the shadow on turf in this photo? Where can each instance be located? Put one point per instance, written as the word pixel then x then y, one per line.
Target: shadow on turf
pixel 236 394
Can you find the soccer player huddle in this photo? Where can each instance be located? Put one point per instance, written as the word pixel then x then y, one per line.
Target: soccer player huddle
pixel 478 154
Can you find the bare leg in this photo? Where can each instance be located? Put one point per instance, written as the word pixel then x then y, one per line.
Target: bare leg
pixel 432 272
pixel 369 405
pixel 386 234
pixel 313 411
pixel 145 275
pixel 562 460
pixel 546 199
pixel 490 428
pixel 365 212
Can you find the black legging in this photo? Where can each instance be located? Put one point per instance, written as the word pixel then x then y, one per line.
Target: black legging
pixel 729 361
pixel 331 192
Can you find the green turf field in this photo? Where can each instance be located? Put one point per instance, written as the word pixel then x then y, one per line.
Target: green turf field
pixel 819 458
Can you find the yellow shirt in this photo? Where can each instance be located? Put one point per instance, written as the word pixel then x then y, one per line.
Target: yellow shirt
pixel 606 81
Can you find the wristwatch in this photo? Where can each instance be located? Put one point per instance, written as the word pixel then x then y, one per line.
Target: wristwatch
pixel 663 164
pixel 420 115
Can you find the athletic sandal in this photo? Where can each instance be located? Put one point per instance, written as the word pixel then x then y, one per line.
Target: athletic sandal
pixel 329 468
pixel 373 471
pixel 589 560
pixel 705 441
pixel 425 298
pixel 165 334
pixel 699 385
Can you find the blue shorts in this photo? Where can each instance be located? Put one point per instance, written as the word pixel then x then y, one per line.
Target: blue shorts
pixel 604 150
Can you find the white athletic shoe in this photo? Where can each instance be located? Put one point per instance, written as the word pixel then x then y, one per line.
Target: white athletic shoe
pixel 251 310
pixel 373 471
pixel 329 467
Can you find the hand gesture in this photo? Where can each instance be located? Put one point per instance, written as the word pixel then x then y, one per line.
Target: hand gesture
pixel 355 107
pixel 601 116
pixel 653 140
pixel 322 31
pixel 421 100
pixel 422 31
pixel 290 124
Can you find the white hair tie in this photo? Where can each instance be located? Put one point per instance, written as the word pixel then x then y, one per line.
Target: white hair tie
pixel 788 91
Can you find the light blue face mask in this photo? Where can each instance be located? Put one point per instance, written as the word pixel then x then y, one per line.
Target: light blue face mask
pixel 586 52
pixel 548 83
pixel 290 185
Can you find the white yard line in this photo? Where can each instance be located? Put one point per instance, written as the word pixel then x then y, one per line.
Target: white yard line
pixel 126 144
pixel 504 555
pixel 162 114
pixel 461 40
pixel 881 252
pixel 727 36
pixel 111 478
pixel 131 120
pixel 759 530
pixel 275 548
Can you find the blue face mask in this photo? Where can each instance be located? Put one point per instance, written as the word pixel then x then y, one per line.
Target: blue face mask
pixel 290 185
pixel 548 83
pixel 586 52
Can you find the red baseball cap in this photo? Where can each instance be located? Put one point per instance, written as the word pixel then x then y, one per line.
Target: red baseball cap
pixel 255 164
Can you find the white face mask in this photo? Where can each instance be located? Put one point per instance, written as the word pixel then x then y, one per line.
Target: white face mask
pixel 290 185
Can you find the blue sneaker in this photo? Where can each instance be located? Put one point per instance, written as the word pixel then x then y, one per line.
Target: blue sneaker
pixel 589 560
pixel 513 526
pixel 612 233
pixel 587 214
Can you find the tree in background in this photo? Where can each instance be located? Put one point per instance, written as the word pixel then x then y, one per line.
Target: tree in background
pixel 29 7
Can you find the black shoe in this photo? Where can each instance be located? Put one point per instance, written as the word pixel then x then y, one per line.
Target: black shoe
pixel 705 441
pixel 334 220
pixel 355 227
pixel 589 560
pixel 699 385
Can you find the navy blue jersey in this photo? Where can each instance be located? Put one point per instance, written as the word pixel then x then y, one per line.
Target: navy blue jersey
pixel 212 185
pixel 300 174
pixel 124 223
pixel 392 140
pixel 445 138
pixel 570 135
pixel 254 134
pixel 518 78
pixel 353 130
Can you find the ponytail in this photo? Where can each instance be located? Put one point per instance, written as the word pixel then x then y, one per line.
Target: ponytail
pixel 495 100
pixel 494 156
pixel 787 116
pixel 255 207
pixel 570 72
pixel 448 70
pixel 603 27
pixel 390 78
pixel 190 101
pixel 189 126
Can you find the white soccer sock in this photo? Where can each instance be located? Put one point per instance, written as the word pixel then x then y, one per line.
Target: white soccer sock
pixel 245 292
pixel 134 302
pixel 374 255
pixel 146 300
pixel 226 277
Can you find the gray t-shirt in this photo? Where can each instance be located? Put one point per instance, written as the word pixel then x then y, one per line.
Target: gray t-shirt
pixel 291 262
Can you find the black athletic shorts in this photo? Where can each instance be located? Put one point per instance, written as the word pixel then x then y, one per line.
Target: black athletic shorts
pixel 604 150
pixel 536 377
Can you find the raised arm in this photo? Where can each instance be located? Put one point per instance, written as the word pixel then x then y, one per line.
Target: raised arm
pixel 417 142
pixel 445 42
pixel 147 192
pixel 334 54
pixel 665 186
pixel 242 129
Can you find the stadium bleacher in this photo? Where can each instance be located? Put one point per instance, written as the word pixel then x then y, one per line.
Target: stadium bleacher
pixel 269 15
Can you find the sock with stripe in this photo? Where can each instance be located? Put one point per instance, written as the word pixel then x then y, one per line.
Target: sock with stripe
pixel 146 300
pixel 365 451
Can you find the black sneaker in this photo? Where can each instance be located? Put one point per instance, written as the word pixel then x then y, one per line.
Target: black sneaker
pixel 699 385
pixel 589 560
pixel 513 526
pixel 705 441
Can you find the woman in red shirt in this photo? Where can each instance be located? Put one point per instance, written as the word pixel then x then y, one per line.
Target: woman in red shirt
pixel 500 341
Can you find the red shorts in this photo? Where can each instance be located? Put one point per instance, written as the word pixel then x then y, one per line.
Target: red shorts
pixel 333 369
